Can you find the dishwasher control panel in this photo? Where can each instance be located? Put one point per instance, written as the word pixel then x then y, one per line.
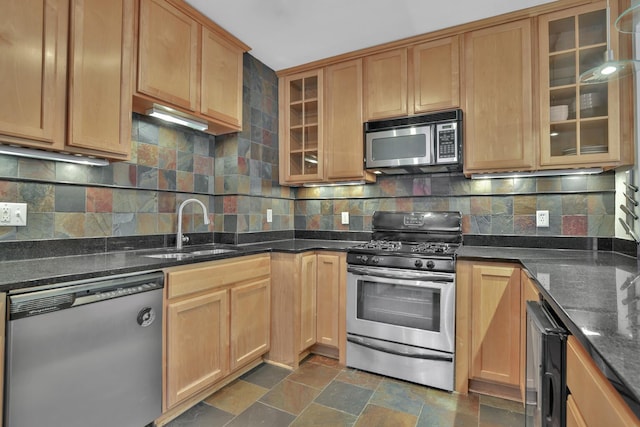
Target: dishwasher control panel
pixel 26 303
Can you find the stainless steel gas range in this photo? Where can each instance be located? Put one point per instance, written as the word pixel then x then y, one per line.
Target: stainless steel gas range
pixel 401 297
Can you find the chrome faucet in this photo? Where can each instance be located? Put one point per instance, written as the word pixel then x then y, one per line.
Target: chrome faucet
pixel 180 239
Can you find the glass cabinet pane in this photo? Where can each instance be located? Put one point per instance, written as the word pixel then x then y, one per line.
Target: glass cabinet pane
pixel 593 101
pixel 563 104
pixel 592 28
pixel 564 139
pixel 295 90
pixel 562 35
pixel 594 137
pixel 562 69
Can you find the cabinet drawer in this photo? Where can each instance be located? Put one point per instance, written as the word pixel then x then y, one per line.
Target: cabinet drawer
pixel 593 395
pixel 192 278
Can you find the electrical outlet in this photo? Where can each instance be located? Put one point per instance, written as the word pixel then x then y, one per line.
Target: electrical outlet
pixel 13 214
pixel 269 215
pixel 542 218
pixel 345 218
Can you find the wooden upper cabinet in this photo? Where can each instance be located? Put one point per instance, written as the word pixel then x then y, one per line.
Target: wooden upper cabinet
pixel 385 83
pixel 168 54
pixel 301 117
pixel 100 70
pixel 221 79
pixel 344 145
pixel 580 124
pixel 436 75
pixel 66 71
pixel 499 133
pixel 187 63
pixel 414 80
pixel 34 37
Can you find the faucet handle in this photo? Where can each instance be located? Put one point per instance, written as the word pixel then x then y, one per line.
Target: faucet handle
pixel 185 239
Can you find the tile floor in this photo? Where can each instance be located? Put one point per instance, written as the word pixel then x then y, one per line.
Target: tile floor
pixel 322 393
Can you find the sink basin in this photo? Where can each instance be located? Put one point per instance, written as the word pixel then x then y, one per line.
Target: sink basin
pixel 187 255
pixel 211 252
pixel 172 255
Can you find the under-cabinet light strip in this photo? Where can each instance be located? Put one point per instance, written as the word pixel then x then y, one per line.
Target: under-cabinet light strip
pixel 49 155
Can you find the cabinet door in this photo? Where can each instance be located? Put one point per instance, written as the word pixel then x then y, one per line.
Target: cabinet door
pixel 499 120
pixel 574 417
pixel 168 54
pixel 580 123
pixel 197 334
pixel 308 285
pixel 436 75
pixel 495 324
pixel 100 91
pixel 221 80
pixel 250 316
pixel 301 118
pixel 33 70
pixel 343 121
pixel 328 299
pixel 385 84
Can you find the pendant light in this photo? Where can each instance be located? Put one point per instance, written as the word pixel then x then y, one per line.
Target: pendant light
pixel 626 22
pixel 610 69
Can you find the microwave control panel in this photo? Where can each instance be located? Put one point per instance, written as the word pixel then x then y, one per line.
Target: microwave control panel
pixel 446 143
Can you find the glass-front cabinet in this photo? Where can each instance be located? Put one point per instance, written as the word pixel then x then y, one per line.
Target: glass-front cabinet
pixel 579 122
pixel 301 104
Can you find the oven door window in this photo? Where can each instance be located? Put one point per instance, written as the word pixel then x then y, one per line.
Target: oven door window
pixel 399 305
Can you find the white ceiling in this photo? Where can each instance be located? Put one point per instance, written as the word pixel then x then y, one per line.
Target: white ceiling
pixel 287 33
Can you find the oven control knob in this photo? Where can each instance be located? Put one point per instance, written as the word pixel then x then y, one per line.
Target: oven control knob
pixel 362 258
pixel 430 264
pixel 418 263
pixel 375 260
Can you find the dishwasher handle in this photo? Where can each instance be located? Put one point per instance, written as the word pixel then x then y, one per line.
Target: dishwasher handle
pixel 73 294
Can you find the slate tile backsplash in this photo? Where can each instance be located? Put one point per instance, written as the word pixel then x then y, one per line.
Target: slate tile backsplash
pixel 236 176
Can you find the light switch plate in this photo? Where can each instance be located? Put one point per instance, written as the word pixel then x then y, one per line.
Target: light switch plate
pixel 13 214
pixel 269 215
pixel 345 218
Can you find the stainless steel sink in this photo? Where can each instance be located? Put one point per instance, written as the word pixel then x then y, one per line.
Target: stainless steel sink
pixel 173 255
pixel 187 255
pixel 212 252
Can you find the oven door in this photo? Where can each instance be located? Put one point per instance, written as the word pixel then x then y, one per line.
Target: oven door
pixel 403 306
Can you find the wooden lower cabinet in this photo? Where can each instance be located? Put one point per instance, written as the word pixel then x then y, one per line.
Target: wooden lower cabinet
pixel 308 306
pixel 308 287
pixel 488 329
pixel 197 342
pixel 593 401
pixel 250 316
pixel 216 323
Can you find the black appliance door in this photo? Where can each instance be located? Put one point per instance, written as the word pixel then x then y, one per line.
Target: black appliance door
pixel 545 382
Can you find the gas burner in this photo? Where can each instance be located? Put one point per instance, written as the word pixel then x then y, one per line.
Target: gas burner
pixel 382 245
pixel 431 248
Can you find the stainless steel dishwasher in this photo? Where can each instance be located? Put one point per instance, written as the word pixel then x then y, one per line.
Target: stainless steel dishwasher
pixel 86 353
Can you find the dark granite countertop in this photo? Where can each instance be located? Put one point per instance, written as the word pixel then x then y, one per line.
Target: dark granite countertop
pixel 44 271
pixel 593 293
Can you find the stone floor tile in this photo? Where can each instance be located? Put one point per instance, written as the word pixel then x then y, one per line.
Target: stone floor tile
pixel 433 415
pixel 359 378
pixel 323 360
pixel 266 375
pixel 202 415
pixel 236 397
pixel 399 396
pixel 344 397
pixel 507 405
pixel 290 396
pixel 496 417
pixel 262 415
pixel 320 416
pixel 377 416
pixel 451 401
pixel 314 375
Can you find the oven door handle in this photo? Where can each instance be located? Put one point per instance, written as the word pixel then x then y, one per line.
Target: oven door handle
pixel 414 354
pixel 400 274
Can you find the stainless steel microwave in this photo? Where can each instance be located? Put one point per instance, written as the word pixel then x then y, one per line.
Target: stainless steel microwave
pixel 417 144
